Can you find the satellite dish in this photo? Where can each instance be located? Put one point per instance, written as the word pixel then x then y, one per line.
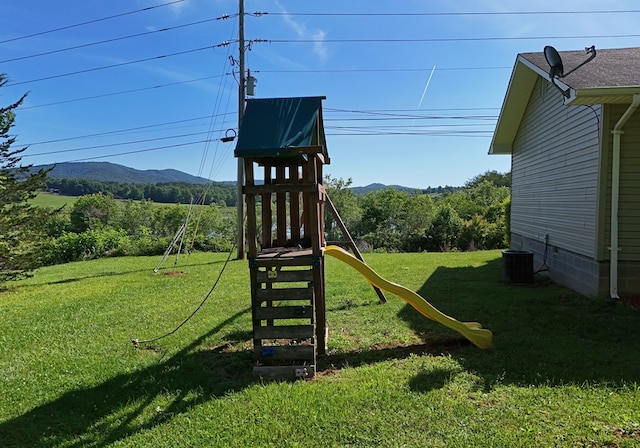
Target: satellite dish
pixel 556 68
pixel 555 62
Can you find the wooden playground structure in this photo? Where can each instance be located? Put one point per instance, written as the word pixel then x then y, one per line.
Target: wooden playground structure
pixel 282 140
pixel 282 144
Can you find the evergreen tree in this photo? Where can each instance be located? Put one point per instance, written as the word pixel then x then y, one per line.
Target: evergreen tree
pixel 20 236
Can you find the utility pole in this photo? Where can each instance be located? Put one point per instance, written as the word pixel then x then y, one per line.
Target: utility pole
pixel 241 99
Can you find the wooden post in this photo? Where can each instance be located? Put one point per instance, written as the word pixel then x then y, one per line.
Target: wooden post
pixel 281 208
pixel 267 221
pixel 251 211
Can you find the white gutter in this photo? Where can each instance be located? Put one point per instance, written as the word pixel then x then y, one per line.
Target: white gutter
pixel 615 191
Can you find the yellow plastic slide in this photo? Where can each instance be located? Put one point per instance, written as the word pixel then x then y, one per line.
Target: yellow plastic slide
pixel 481 337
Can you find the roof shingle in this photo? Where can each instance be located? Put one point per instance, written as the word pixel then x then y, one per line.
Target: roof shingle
pixel 617 67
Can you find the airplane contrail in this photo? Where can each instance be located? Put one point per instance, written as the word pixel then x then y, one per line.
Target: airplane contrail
pixel 424 92
pixel 426 86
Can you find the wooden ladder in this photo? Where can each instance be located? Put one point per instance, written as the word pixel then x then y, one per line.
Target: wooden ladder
pixel 284 321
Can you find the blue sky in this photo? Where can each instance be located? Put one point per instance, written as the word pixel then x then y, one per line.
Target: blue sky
pixel 413 87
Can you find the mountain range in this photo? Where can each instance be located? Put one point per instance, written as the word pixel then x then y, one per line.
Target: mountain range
pixel 111 172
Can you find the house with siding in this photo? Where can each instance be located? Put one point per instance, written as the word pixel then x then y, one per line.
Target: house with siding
pixel 575 165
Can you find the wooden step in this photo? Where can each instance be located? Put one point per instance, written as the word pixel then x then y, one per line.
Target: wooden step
pixel 270 295
pixel 284 332
pixel 285 352
pixel 284 276
pixel 284 312
pixel 285 372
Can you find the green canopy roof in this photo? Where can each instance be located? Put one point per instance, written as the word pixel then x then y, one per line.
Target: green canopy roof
pixel 272 127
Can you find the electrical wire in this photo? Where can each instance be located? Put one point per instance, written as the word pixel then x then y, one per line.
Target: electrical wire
pixel 439 14
pixel 396 70
pixel 111 145
pixel 123 92
pixel 374 116
pixel 392 118
pixel 450 39
pixel 119 131
pixel 138 151
pixel 386 111
pixel 136 342
pixel 422 128
pixel 382 132
pixel 383 70
pixel 40 33
pixel 121 64
pixel 215 113
pixel 544 266
pixel 115 39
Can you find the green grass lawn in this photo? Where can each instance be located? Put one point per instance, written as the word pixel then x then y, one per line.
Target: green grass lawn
pixel 564 370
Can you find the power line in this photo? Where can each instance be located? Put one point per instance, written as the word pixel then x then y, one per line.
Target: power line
pixel 119 131
pixel 378 115
pixel 449 39
pixel 386 111
pixel 121 64
pixel 106 156
pixel 115 39
pixel 479 117
pixel 111 145
pixel 90 21
pixel 405 133
pixel 482 134
pixel 103 95
pixel 403 129
pixel 382 70
pixel 437 14
pixel 141 89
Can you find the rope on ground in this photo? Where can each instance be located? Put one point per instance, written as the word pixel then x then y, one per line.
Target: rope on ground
pixel 137 342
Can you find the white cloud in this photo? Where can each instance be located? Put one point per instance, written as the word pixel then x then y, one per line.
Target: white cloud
pixel 178 7
pixel 319 46
pixel 302 32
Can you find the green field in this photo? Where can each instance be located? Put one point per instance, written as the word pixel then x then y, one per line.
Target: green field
pixel 564 369
pixel 53 200
pixel 56 201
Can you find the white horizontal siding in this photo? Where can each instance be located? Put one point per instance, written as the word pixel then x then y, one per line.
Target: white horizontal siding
pixel 555 173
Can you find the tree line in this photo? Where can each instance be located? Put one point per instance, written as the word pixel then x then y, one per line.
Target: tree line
pixel 471 218
pixel 389 220
pixel 166 193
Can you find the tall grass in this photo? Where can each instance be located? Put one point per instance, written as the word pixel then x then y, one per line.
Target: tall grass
pixel 563 371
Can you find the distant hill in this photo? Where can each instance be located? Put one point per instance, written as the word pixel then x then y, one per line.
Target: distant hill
pixel 375 187
pixel 111 172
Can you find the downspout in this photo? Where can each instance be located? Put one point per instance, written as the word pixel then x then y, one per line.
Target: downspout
pixel 615 193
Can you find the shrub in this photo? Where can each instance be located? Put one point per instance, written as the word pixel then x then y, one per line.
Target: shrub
pixel 86 245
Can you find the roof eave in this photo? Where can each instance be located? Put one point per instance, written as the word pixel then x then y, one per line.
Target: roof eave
pixel 602 95
pixel 523 79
